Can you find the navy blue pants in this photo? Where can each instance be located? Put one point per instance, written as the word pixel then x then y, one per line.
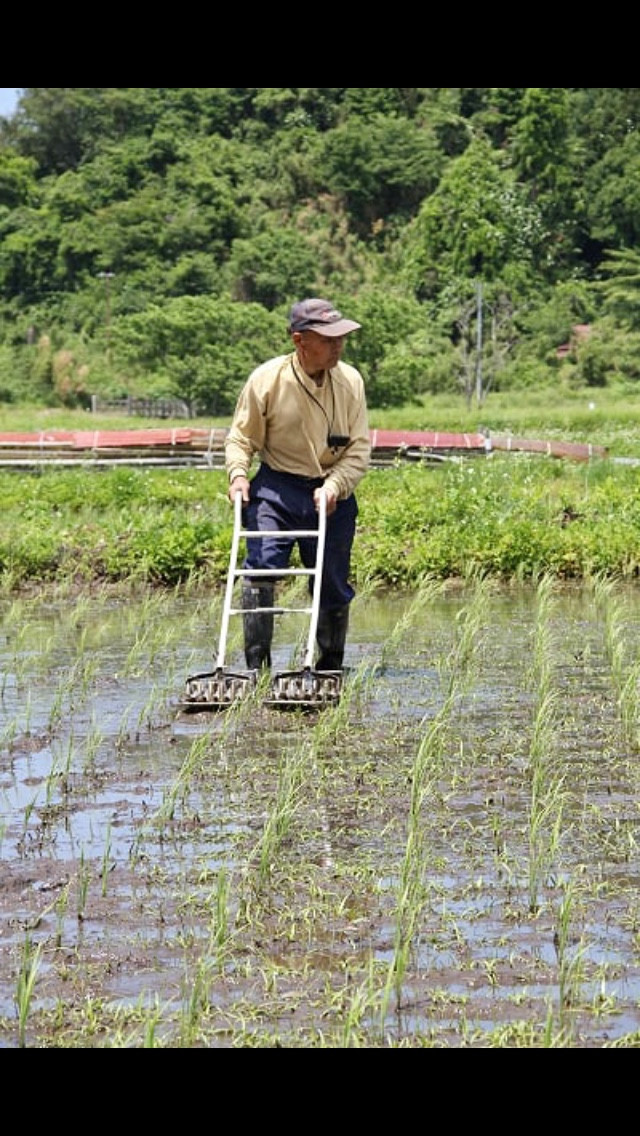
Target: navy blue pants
pixel 285 501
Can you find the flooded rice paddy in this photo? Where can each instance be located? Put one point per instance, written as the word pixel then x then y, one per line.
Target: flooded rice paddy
pixel 447 858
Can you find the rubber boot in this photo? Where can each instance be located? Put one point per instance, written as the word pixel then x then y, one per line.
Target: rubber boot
pixel 258 626
pixel 331 635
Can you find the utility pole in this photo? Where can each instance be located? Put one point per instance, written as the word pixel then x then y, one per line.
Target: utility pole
pixel 479 345
pixel 107 277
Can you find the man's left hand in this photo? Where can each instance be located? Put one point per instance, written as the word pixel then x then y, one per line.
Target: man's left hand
pixel 330 499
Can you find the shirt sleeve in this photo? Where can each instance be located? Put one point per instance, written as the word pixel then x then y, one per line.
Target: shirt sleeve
pixel 246 433
pixel 354 460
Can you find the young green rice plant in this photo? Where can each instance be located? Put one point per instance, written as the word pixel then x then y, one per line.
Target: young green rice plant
pixel 93 740
pixel 291 779
pixel 135 662
pixel 359 684
pixel 60 907
pixel 629 703
pixel 615 630
pixel 82 888
pixel 547 796
pixel 10 732
pixel 625 672
pixel 569 955
pixel 546 799
pixel 81 676
pixel 199 748
pixel 151 1028
pixel 160 644
pixel 412 892
pixel 545 833
pixel 29 807
pixel 151 708
pixel 356 1006
pixel 179 789
pixel 20 664
pixel 106 861
pixel 542 665
pixel 27 976
pixel 427 591
pixel 219 931
pixel 124 729
pixel 81 612
pixel 195 1002
pixel 334 721
pixel 57 708
pixel 61 765
pixel 458 668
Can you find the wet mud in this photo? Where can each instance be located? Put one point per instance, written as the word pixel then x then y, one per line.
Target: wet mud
pixel 446 858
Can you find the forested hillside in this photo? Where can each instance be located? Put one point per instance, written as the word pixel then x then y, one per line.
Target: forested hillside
pixel 152 239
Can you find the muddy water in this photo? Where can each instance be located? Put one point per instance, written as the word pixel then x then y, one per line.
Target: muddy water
pixel 448 858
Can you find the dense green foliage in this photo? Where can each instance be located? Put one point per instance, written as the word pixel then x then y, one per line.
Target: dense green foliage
pixel 152 239
pixel 512 517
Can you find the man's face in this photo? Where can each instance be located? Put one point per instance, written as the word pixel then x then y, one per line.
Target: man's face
pixel 318 352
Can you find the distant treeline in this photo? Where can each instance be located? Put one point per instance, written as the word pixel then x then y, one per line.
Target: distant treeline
pixel 152 239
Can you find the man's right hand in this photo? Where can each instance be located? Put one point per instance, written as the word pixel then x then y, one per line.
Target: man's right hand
pixel 239 485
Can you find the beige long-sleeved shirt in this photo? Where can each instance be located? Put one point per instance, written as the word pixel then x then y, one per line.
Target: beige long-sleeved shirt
pixel 286 421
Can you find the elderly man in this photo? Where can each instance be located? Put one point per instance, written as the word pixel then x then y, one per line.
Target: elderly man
pixel 304 415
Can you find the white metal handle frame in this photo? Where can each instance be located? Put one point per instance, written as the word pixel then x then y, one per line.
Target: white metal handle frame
pixel 231 578
pixel 234 572
pixel 317 578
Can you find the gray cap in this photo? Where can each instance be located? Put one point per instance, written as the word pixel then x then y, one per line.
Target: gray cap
pixel 321 316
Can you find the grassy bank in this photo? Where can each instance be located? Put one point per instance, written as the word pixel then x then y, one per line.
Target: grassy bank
pixel 511 516
pixel 507 515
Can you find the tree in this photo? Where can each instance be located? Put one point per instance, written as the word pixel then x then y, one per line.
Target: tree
pixel 612 195
pixel 388 319
pixel 542 151
pixel 272 266
pixel 621 285
pixel 475 225
pixel 196 348
pixel 17 180
pixel 381 167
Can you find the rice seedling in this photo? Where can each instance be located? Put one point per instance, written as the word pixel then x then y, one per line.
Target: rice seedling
pixel 546 782
pixel 291 778
pixel 570 952
pixel 629 701
pixel 195 1002
pixel 25 986
pixel 423 597
pixel 412 892
pixel 83 880
pixel 9 732
pixel 624 668
pixel 29 807
pixel 610 603
pixel 60 906
pixel 58 702
pixel 151 712
pixel 471 618
pixel 181 783
pixel 106 861
pixel 220 933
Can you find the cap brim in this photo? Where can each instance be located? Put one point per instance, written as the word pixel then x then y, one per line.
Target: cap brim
pixel 333 330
